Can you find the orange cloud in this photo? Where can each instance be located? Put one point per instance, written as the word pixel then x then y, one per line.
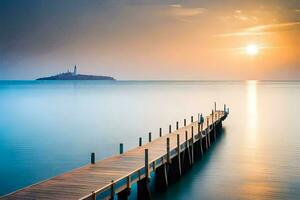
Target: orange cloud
pixel 261 29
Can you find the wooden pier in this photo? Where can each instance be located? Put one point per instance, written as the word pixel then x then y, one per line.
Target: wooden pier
pixel 168 157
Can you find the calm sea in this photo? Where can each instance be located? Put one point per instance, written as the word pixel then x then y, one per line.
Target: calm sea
pixel 47 128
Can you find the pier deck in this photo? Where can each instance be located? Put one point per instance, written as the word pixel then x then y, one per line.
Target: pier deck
pixel 115 174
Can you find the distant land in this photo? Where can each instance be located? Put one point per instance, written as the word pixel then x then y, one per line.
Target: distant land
pixel 74 76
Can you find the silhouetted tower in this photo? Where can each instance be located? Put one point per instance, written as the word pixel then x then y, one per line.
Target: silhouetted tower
pixel 75 71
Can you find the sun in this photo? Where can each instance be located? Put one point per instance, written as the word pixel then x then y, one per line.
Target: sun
pixel 251 49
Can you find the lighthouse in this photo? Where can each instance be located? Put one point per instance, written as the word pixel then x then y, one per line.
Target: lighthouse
pixel 75 71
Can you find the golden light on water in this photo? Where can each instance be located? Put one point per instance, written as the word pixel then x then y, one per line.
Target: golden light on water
pixel 251 110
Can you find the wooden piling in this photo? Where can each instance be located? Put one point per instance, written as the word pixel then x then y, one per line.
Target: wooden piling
pixel 177 125
pixel 154 165
pixel 208 131
pixel 147 172
pixel 214 125
pixel 184 122
pixel 92 158
pixel 94 196
pixel 178 154
pixel 188 147
pixel 192 144
pixel 150 137
pixel 140 141
pixel 200 126
pixel 192 119
pixel 112 190
pixel 170 128
pixel 160 132
pixel 168 151
pixel 128 182
pixel 121 148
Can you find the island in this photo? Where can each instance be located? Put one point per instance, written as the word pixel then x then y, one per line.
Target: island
pixel 74 76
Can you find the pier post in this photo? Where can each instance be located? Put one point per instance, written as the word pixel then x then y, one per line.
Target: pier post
pixel 192 119
pixel 121 148
pixel 215 106
pixel 143 188
pixel 168 151
pixel 112 190
pixel 147 172
pixel 170 128
pixel 188 147
pixel 184 122
pixel 208 131
pixel 200 138
pixel 214 126
pixel 192 145
pixel 140 141
pixel 149 136
pixel 178 154
pixel 206 137
pixel 177 125
pixel 160 132
pixel 92 158
pixel 94 196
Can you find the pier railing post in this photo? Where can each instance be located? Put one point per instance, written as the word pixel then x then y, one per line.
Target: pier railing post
pixel 140 141
pixel 121 148
pixel 192 119
pixel 160 132
pixel 150 137
pixel 184 122
pixel 92 158
pixel 170 128
pixel 177 125
pixel 215 106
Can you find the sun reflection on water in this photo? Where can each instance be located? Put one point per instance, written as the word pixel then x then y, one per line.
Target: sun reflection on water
pixel 251 110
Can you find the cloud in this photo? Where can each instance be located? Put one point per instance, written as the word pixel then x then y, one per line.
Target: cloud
pixel 261 29
pixel 271 27
pixel 179 10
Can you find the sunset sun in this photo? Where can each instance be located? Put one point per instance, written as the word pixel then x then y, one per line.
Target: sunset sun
pixel 252 49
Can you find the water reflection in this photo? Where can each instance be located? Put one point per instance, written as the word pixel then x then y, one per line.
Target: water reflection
pixel 251 127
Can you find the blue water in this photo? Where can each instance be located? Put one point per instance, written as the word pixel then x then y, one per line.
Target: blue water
pixel 47 128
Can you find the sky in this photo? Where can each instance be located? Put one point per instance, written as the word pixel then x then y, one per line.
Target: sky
pixel 151 39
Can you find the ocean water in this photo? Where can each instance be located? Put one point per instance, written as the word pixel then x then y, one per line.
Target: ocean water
pixel 47 128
